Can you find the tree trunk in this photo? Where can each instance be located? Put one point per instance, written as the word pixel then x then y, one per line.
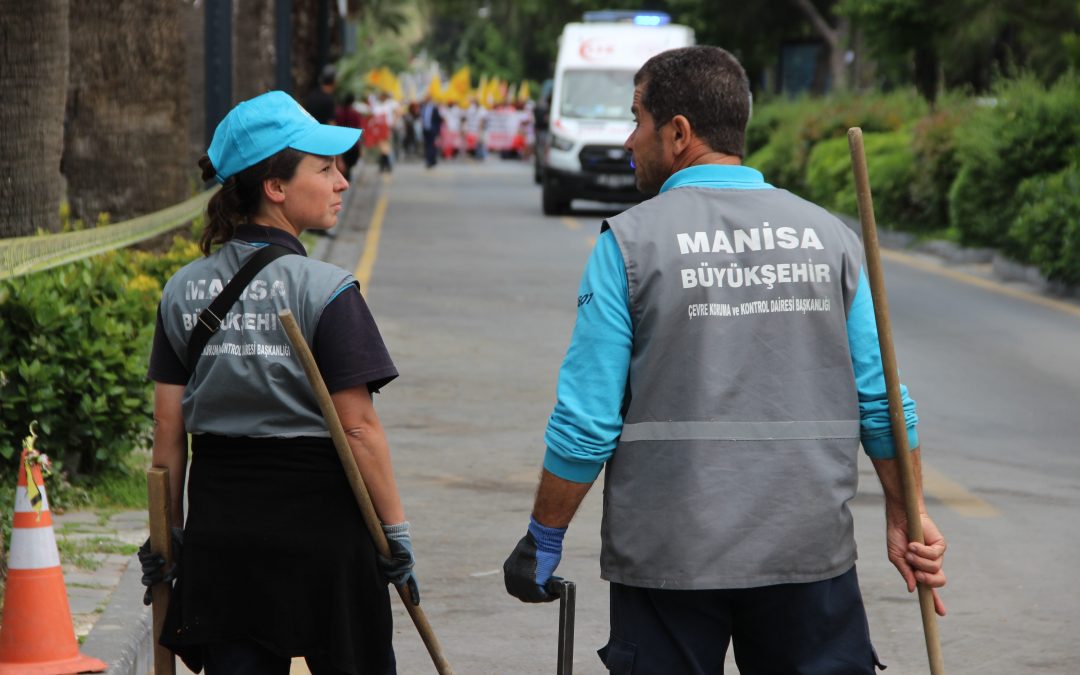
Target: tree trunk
pixel 305 44
pixel 34 80
pixel 194 25
pixel 836 39
pixel 253 48
pixel 927 73
pixel 126 150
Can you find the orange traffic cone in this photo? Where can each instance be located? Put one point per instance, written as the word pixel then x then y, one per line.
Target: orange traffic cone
pixel 36 633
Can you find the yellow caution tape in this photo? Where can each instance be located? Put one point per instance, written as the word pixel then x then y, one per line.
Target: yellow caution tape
pixel 25 255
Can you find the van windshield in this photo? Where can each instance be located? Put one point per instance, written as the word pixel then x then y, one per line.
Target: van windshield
pixel 597 94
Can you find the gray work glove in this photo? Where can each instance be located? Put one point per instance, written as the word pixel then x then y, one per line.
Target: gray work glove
pixel 398 568
pixel 153 564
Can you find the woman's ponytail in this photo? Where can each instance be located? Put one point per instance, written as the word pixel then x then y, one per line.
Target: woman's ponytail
pixel 241 195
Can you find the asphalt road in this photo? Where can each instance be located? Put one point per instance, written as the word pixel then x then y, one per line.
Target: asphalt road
pixel 475 293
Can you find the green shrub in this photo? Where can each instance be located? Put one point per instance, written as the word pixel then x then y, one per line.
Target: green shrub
pixel 1047 225
pixel 891 165
pixel 803 123
pixel 765 119
pixel 934 147
pixel 73 354
pixel 1028 131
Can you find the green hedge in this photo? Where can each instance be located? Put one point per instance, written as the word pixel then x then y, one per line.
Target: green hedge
pixel 1026 130
pixel 933 144
pixel 782 135
pixel 991 170
pixel 1047 224
pixel 73 353
pixel 891 165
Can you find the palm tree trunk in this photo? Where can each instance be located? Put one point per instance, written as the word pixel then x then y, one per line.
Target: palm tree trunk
pixel 253 48
pixel 835 37
pixel 128 109
pixel 33 79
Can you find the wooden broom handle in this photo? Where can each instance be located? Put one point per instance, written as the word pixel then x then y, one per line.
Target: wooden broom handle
pixel 157 483
pixel 892 385
pixel 348 462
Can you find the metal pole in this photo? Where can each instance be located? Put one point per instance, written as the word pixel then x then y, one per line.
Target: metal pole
pixel 283 45
pixel 567 591
pixel 218 60
pixel 323 34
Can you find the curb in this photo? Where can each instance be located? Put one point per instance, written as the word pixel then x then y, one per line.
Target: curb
pixel 121 637
pixel 1001 268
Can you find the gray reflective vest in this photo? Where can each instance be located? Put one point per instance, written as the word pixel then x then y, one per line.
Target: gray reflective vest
pixel 737 457
pixel 248 382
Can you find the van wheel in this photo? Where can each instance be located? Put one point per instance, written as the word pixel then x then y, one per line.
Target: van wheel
pixel 554 203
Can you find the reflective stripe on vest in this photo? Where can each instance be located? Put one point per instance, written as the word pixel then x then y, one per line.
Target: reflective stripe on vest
pixel 739 431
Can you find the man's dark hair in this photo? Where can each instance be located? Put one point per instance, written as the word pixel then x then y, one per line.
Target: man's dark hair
pixel 328 75
pixel 707 86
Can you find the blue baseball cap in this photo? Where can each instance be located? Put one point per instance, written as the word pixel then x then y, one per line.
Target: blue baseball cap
pixel 266 125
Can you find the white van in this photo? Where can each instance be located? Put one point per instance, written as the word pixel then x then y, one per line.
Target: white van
pixel 590 119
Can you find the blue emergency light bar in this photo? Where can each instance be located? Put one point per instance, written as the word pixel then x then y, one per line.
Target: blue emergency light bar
pixel 625 16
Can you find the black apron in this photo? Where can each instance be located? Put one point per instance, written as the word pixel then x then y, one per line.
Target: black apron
pixel 276 552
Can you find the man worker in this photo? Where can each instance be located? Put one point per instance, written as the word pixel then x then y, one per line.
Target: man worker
pixel 724 366
pixel 320 102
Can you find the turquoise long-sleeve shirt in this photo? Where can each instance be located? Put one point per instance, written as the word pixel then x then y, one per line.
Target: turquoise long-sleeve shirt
pixel 585 425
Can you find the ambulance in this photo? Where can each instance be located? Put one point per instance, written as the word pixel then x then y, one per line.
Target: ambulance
pixel 590 119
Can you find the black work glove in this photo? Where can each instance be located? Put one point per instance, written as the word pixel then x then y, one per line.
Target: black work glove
pixel 153 564
pixel 521 577
pixel 398 568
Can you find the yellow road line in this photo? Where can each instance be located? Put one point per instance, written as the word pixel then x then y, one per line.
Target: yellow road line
pixel 955 496
pixel 371 241
pixel 986 284
pixel 571 223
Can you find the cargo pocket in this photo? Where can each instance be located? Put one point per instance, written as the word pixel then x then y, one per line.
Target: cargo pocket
pixel 618 656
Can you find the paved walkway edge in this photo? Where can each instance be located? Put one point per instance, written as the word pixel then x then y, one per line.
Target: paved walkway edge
pixel 121 637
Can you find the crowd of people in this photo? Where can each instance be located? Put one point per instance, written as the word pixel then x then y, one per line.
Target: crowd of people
pixel 396 130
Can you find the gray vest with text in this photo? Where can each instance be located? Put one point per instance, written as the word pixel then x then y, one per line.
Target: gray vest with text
pixel 738 452
pixel 248 382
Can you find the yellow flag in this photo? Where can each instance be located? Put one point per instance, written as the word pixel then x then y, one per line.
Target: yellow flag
pixel 435 89
pixel 478 93
pixel 374 77
pixel 523 93
pixel 460 84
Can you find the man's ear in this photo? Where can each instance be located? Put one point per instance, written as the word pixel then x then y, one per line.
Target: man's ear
pixel 274 190
pixel 681 133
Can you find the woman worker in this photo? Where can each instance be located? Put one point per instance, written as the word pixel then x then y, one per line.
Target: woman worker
pixel 276 561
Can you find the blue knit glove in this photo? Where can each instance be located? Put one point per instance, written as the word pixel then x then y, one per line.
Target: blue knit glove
pixel 531 565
